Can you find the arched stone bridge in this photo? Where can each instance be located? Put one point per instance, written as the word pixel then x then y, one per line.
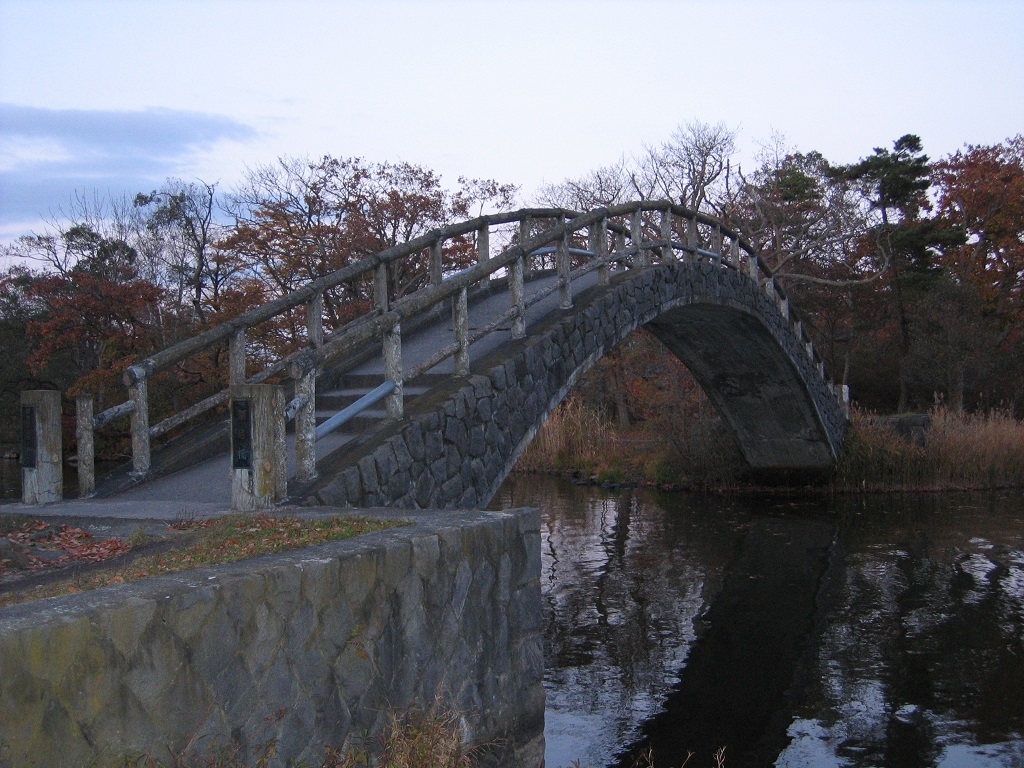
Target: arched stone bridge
pixel 490 351
pixel 458 447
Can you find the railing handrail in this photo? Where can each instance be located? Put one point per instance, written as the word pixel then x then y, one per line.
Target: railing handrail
pixel 212 336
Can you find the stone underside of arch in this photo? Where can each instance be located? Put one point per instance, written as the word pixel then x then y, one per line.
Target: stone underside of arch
pixel 753 383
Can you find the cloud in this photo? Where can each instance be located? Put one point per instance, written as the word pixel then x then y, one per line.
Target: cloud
pixel 47 155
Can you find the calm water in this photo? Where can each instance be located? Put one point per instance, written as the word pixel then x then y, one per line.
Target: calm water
pixel 875 631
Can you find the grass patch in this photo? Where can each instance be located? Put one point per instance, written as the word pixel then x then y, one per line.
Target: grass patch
pixel 212 541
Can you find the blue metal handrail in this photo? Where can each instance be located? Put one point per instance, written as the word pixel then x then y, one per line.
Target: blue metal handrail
pixel 351 411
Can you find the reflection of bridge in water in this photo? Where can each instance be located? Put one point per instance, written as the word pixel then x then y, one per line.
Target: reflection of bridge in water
pixel 441 390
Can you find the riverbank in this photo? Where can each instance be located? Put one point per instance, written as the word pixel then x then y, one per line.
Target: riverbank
pixel 944 450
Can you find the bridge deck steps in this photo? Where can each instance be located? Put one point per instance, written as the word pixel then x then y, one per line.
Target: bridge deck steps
pixel 368 418
pixel 337 399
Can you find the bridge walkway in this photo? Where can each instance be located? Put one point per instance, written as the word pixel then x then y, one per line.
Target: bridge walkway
pixel 208 483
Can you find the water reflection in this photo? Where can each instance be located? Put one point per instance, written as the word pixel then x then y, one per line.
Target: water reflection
pixel 863 631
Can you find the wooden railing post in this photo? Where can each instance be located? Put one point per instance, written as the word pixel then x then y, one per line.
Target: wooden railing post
pixel 597 240
pixel 636 234
pixel 620 243
pixel 259 460
pixel 516 291
pixel 42 477
pixel 393 370
pixel 564 271
pixel 236 358
pixel 462 333
pixel 305 424
pixel 692 237
pixel 138 393
pixel 380 288
pixel 436 266
pixel 525 230
pixel 667 251
pixel 483 244
pixel 86 449
pixel 315 321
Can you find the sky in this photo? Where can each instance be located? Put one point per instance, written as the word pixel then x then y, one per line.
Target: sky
pixel 113 97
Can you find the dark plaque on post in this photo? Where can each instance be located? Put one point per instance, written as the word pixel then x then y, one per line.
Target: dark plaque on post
pixel 241 434
pixel 29 446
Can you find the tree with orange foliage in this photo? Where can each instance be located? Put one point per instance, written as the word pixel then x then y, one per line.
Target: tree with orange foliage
pixel 299 220
pixel 981 191
pixel 93 316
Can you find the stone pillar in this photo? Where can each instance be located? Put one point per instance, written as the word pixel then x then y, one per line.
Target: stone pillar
pixel 259 457
pixel 42 479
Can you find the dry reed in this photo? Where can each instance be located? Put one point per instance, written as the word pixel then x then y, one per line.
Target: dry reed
pixel 957 450
pixel 574 437
pixel 412 739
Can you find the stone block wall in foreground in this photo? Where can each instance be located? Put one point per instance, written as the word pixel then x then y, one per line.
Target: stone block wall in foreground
pixel 306 647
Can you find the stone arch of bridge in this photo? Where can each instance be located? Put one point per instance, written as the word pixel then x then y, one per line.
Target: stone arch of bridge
pixel 457 447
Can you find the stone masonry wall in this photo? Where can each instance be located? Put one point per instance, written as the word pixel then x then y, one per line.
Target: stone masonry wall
pixel 306 647
pixel 457 446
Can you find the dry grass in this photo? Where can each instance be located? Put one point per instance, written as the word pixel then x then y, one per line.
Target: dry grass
pixel 412 739
pixel 575 437
pixel 677 450
pixel 959 451
pixel 686 450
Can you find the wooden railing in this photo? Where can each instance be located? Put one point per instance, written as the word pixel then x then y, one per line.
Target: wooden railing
pixel 628 236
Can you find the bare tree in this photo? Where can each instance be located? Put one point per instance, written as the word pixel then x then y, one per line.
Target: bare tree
pixel 179 221
pixel 693 167
pixel 608 185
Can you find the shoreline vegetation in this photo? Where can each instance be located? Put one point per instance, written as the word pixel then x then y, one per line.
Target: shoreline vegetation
pixel 946 450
